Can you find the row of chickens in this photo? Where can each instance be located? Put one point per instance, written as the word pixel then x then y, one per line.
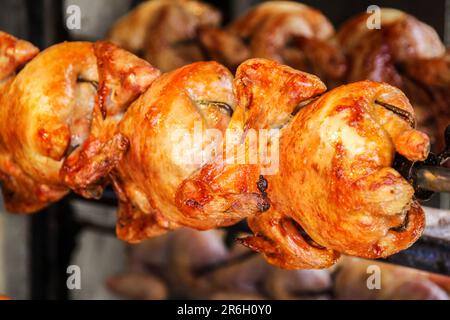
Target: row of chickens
pixel 403 52
pixel 80 115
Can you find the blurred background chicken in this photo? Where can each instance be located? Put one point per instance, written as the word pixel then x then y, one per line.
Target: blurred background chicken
pixel 198 265
pixel 57 114
pixel 406 53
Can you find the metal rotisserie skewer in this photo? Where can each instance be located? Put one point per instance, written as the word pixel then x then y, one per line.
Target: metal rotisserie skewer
pixel 427 176
pixel 435 179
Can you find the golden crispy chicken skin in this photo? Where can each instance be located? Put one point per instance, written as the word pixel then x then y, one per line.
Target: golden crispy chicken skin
pixel 52 107
pixel 293 34
pixel 161 127
pixel 336 191
pixel 165 32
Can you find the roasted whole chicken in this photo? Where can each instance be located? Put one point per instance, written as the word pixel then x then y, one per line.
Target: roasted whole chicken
pixel 184 103
pixel 344 140
pixel 405 53
pixel 198 265
pixel 56 115
pixel 166 32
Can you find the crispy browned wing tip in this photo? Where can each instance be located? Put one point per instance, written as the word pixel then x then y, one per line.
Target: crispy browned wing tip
pixel 14 53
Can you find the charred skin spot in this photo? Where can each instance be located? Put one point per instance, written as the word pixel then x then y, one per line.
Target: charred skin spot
pixel 263 206
pixel 262 187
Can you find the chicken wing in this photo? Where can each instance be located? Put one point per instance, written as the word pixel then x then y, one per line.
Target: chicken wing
pixel 266 94
pixel 13 54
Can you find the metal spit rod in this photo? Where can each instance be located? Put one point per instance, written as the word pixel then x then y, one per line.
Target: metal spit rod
pixel 436 179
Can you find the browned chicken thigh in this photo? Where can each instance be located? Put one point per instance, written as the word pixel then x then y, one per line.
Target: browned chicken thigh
pixel 67 98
